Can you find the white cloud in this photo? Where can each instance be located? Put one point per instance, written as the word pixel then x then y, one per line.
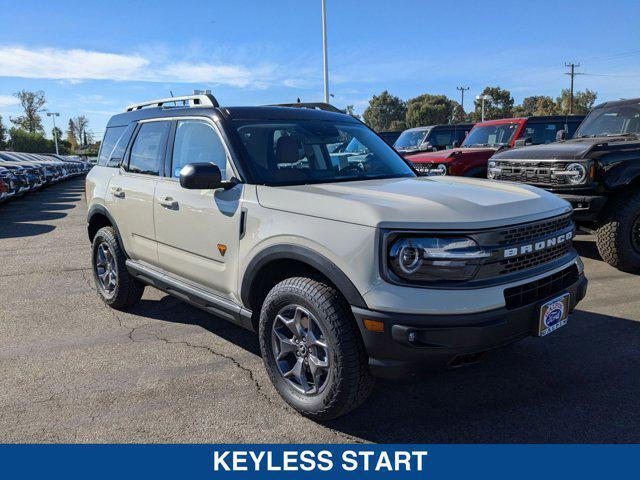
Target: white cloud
pixel 8 100
pixel 77 65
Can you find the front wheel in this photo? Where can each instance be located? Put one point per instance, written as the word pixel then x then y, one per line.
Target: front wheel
pixel 312 349
pixel 618 239
pixel 116 287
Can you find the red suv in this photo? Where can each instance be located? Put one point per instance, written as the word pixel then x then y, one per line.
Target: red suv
pixel 486 138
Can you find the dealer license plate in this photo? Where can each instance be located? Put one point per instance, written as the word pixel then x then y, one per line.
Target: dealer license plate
pixel 553 315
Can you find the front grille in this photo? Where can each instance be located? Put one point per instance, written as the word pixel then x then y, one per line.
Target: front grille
pixel 531 172
pixel 534 259
pixel 423 167
pixel 532 231
pixel 551 232
pixel 532 292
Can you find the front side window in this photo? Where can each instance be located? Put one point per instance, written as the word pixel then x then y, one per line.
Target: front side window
pixel 197 141
pixel 111 137
pixel 611 121
pixel 491 135
pixel 304 151
pixel 410 139
pixel 147 153
pixel 441 139
pixel 541 133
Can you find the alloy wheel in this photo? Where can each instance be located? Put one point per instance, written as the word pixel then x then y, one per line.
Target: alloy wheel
pixel 300 349
pixel 106 268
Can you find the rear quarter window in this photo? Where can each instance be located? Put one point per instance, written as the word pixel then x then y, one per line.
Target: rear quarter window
pixel 111 137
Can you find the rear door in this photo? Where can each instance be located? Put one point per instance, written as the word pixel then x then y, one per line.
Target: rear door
pixel 198 231
pixel 130 194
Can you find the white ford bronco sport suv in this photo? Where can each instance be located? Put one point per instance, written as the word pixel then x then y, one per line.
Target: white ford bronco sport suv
pixel 348 265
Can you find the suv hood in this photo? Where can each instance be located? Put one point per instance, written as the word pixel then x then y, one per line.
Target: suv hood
pixel 574 149
pixel 421 203
pixel 449 155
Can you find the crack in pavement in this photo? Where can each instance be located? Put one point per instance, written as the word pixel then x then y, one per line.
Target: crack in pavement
pixel 256 384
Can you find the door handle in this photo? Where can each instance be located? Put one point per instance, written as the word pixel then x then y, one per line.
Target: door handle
pixel 169 203
pixel 117 192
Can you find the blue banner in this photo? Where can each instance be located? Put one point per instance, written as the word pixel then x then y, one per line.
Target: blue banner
pixel 319 461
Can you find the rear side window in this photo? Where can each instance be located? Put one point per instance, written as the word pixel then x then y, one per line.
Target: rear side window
pixel 147 153
pixel 197 142
pixel 111 137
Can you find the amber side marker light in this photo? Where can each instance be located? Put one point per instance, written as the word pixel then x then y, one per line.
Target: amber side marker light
pixel 373 325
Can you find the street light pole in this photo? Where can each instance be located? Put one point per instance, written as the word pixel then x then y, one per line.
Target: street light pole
pixel 482 98
pixel 325 60
pixel 53 116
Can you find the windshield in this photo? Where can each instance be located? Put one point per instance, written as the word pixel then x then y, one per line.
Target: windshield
pixel 309 151
pixel 615 120
pixel 491 135
pixel 410 139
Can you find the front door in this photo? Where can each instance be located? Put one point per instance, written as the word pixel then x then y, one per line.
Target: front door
pixel 198 231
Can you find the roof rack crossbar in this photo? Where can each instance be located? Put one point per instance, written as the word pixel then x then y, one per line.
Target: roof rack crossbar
pixel 314 105
pixel 198 100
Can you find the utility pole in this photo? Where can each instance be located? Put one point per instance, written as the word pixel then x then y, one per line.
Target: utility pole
pixel 325 60
pixel 53 116
pixel 572 74
pixel 462 90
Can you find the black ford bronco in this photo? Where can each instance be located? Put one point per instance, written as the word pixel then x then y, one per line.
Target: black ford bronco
pixel 597 171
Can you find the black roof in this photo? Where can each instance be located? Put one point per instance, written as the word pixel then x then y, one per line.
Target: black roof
pixel 236 113
pixel 556 118
pixel 615 103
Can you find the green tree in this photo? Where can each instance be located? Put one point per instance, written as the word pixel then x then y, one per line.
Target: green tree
pixel 350 110
pixel 71 135
pixel 3 135
pixel 536 105
pixel 32 104
pixel 23 141
pixel 582 101
pixel 429 109
pixel 498 105
pixel 384 109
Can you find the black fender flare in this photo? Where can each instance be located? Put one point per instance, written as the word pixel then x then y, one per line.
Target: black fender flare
pixel 101 210
pixel 304 255
pixel 623 174
pixel 476 172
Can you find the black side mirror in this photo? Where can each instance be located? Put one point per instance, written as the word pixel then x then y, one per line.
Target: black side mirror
pixel 522 142
pixel 455 144
pixel 202 176
pixel 561 135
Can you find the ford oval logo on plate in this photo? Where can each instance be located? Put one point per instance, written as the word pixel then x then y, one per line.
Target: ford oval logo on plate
pixel 553 315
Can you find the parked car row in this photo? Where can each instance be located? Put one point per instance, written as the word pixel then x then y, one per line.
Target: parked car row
pixel 592 161
pixel 24 172
pixel 434 150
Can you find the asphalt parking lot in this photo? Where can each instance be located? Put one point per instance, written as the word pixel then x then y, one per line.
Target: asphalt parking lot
pixel 74 370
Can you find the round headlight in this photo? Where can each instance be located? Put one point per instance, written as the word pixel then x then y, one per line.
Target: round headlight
pixel 490 165
pixel 441 169
pixel 409 258
pixel 579 176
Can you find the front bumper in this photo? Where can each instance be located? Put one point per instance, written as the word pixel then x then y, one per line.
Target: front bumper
pixel 586 208
pixel 411 343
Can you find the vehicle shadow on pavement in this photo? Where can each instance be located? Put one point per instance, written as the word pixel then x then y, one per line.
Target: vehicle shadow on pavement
pixel 173 310
pixel 577 385
pixel 17 215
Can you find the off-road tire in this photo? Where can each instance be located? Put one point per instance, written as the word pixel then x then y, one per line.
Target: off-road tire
pixel 128 290
pixel 614 237
pixel 349 381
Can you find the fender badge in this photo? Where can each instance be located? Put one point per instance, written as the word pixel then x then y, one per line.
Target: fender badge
pixel 222 249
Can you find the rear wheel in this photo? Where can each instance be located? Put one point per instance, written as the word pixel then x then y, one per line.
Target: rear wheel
pixel 618 239
pixel 115 285
pixel 312 349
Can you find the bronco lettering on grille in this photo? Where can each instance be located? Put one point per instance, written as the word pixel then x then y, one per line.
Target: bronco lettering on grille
pixel 537 246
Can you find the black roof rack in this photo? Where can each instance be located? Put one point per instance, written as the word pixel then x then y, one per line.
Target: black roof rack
pixel 327 107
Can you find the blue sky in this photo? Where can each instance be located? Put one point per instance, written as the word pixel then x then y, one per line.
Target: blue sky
pixel 94 58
